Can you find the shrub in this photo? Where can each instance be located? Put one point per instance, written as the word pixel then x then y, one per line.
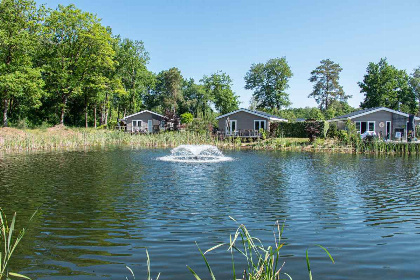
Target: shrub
pixel 298 129
pixel 187 118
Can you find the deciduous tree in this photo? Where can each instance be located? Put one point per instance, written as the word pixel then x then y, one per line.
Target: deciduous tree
pixel 20 82
pixel 76 45
pixel 219 87
pixel 385 85
pixel 270 81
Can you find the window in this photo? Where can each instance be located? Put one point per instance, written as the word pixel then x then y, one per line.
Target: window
pixel 259 124
pixel 136 123
pixel 371 126
pixel 358 126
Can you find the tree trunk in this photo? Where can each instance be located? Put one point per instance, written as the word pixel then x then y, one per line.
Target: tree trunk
pixel 94 116
pixel 5 108
pixel 125 112
pixel 63 109
pixel 86 116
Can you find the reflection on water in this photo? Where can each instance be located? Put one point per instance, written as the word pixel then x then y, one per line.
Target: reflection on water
pixel 100 209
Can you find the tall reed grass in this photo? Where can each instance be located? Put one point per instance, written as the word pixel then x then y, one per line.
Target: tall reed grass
pixel 262 263
pixel 9 241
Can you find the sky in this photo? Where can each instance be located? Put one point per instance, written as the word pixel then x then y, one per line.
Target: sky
pixel 203 37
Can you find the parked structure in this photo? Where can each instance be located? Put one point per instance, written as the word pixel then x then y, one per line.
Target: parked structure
pixel 144 122
pixel 246 123
pixel 386 123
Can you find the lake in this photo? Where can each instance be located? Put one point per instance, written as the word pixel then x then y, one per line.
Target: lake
pixel 100 209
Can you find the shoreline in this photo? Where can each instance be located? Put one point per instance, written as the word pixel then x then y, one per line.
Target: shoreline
pixel 61 138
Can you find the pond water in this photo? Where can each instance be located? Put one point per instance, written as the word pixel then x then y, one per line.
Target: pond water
pixel 100 209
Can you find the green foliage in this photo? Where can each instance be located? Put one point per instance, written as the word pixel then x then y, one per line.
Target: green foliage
pixel 219 86
pixel 75 45
pixel 269 81
pixel 187 118
pixel 384 85
pixel 311 129
pixel 20 80
pixel 415 83
pixel 326 84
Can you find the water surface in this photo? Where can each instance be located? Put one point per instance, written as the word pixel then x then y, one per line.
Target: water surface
pixel 100 209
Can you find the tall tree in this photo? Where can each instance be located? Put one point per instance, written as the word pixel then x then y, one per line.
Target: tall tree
pixel 415 85
pixel 132 59
pixel 76 44
pixel 196 99
pixel 168 90
pixel 20 82
pixel 326 84
pixel 385 85
pixel 219 87
pixel 270 81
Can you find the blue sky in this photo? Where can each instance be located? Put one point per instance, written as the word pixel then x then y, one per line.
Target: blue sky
pixel 202 37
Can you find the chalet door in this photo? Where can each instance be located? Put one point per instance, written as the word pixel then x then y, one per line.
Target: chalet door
pixel 150 126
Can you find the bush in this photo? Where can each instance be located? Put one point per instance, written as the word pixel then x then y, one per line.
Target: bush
pixel 333 131
pixel 187 118
pixel 298 129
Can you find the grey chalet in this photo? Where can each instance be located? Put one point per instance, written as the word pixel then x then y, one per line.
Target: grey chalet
pixel 246 123
pixel 144 122
pixel 385 123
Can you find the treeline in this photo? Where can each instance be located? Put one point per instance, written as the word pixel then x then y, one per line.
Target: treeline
pixel 63 66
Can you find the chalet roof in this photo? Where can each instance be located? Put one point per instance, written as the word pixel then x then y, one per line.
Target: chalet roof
pixel 254 112
pixel 368 111
pixel 141 112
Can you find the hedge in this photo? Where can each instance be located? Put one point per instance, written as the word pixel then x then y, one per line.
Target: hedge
pixel 298 129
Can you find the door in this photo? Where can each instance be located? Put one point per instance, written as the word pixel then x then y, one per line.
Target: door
pixel 150 126
pixel 233 126
pixel 388 130
pixel 363 127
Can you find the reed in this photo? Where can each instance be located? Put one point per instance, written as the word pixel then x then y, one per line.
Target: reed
pixel 9 242
pixel 263 263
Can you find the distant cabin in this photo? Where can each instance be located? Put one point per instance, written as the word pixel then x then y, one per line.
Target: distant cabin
pixel 384 122
pixel 246 123
pixel 144 122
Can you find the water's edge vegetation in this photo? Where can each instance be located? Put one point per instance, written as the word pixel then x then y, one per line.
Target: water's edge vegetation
pixel 56 138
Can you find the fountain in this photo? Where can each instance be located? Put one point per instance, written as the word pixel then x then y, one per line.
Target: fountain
pixel 195 154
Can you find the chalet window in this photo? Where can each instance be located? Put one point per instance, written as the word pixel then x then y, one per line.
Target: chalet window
pixel 371 126
pixel 259 124
pixel 358 126
pixel 136 123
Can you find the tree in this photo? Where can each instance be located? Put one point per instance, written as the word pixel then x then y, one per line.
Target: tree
pixel 20 82
pixel 415 85
pixel 196 99
pixel 327 88
pixel 76 45
pixel 269 82
pixel 167 93
pixel 132 59
pixel 219 87
pixel 384 85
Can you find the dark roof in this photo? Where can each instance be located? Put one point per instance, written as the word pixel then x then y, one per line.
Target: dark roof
pixel 368 111
pixel 258 113
pixel 265 114
pixel 355 113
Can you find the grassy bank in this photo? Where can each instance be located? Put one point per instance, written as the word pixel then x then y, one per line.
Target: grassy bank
pixel 62 138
